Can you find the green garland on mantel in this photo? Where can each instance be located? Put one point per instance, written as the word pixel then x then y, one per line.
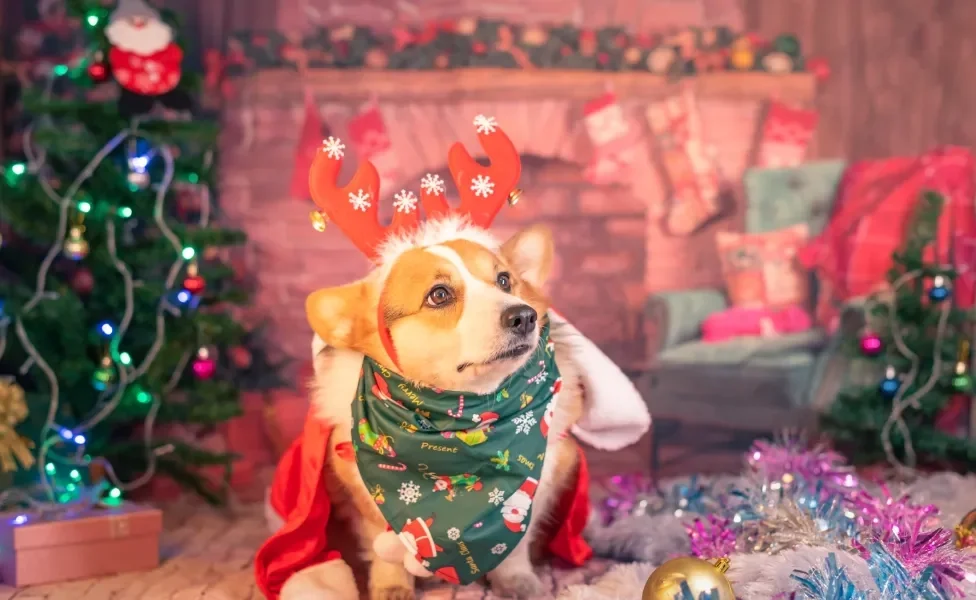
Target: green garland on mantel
pixel 474 43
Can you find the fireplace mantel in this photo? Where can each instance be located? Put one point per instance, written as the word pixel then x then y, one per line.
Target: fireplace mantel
pixel 506 84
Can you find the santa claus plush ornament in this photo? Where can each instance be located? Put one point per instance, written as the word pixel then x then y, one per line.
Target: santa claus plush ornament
pixel 145 60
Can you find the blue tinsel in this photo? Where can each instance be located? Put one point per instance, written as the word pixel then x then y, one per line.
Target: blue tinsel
pixel 829 583
pixel 896 583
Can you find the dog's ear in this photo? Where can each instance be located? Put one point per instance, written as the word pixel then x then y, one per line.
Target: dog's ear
pixel 341 317
pixel 530 251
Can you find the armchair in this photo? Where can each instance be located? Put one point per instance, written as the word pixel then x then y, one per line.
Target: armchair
pixel 753 385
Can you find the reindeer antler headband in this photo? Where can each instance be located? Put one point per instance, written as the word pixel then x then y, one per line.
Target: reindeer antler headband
pixel 354 207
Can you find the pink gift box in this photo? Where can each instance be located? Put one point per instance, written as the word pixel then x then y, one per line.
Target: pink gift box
pixel 37 549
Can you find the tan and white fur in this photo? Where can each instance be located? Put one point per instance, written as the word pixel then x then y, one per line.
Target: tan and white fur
pixel 443 343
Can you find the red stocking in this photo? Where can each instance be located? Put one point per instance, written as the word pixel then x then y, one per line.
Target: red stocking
pixel 308 144
pixel 614 140
pixel 786 135
pixel 371 139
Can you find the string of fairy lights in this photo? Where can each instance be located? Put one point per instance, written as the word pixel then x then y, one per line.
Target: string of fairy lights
pixel 65 446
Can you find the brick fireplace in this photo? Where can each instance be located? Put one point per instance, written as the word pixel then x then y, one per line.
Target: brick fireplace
pixel 610 245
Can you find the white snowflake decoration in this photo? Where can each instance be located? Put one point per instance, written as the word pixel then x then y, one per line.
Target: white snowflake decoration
pixel 409 492
pixel 496 496
pixel 359 200
pixel 485 124
pixel 334 148
pixel 499 548
pixel 405 202
pixel 483 186
pixel 432 184
pixel 454 533
pixel 524 423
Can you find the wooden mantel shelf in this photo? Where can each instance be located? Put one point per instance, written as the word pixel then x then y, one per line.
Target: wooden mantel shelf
pixel 510 84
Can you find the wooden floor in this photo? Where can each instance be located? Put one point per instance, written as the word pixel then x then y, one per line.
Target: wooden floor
pixel 207 554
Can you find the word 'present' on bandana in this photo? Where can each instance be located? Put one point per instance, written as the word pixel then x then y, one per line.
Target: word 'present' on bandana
pixel 454 474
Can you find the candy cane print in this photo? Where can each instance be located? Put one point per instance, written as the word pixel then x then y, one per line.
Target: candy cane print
pixel 460 409
pixel 396 467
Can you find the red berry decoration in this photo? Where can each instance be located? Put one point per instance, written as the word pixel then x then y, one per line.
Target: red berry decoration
pixel 83 282
pixel 204 366
pixel 820 68
pixel 193 283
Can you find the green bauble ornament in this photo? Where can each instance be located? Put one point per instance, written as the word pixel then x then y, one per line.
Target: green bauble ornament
pixel 787 44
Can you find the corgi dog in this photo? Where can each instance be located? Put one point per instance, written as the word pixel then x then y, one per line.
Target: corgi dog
pixel 447 306
pixel 456 306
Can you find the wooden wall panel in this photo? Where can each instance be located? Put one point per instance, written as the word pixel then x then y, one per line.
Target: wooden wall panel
pixel 901 78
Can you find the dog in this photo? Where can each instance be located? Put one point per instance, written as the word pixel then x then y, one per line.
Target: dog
pixel 448 306
pixel 449 296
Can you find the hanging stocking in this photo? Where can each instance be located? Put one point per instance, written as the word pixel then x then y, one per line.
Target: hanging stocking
pixel 614 140
pixel 370 138
pixel 309 142
pixel 786 135
pixel 676 125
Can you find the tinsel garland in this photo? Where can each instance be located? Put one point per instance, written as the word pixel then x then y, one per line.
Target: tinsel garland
pixel 793 495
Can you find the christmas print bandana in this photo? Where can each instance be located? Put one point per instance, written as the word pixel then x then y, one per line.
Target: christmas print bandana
pixel 455 474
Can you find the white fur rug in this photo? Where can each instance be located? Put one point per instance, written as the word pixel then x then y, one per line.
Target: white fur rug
pixel 650 540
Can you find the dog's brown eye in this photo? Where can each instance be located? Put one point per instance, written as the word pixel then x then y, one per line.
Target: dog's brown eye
pixel 439 296
pixel 504 281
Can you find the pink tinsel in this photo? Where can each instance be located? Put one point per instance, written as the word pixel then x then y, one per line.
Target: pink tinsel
pixel 711 537
pixel 889 517
pixel 791 459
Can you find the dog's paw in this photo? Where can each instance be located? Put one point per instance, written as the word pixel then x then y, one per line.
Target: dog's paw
pixel 521 584
pixel 392 593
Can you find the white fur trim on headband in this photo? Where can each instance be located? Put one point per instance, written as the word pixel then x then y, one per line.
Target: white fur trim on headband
pixel 433 232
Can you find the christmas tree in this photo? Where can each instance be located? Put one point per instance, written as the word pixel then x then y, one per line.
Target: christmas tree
pixel 917 339
pixel 116 302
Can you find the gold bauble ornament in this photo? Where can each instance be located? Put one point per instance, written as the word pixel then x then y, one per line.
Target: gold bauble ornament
pixel 14 449
pixel 319 220
pixel 514 197
pixel 966 532
pixel 75 246
pixel 697 576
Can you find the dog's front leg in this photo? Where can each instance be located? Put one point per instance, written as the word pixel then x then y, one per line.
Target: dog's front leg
pixel 387 581
pixel 514 577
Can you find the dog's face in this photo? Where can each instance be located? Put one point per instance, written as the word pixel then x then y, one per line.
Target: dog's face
pixel 461 316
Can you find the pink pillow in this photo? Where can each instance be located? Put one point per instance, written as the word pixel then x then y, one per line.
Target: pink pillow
pixel 741 321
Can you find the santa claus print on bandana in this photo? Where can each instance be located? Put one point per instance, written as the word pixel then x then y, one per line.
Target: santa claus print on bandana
pixel 466 476
pixel 146 61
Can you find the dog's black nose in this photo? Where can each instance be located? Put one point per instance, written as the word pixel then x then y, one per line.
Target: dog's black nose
pixel 519 319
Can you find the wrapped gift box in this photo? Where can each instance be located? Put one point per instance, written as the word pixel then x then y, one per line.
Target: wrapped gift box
pixel 39 549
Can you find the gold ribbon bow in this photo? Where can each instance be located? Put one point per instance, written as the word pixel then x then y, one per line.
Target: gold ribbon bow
pixel 13 411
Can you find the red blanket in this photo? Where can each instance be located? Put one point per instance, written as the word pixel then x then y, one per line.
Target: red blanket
pixel 298 494
pixel 875 203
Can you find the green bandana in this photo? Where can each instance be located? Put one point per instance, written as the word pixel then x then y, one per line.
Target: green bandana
pixel 453 474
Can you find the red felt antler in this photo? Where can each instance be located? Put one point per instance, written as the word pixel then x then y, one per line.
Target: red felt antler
pixel 353 208
pixel 483 190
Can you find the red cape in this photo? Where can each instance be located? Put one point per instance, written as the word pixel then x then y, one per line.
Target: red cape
pixel 298 494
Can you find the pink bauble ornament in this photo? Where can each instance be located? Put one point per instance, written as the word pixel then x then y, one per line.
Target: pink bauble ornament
pixel 871 344
pixel 204 366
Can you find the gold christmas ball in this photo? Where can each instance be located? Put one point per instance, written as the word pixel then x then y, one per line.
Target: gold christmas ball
pixel 697 575
pixel 514 197
pixel 319 221
pixel 75 246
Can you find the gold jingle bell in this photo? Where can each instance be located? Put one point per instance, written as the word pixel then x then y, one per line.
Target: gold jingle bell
pixel 690 578
pixel 75 246
pixel 319 220
pixel 514 197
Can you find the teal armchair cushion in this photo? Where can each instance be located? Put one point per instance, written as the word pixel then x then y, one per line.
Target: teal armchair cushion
pixel 781 197
pixel 679 314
